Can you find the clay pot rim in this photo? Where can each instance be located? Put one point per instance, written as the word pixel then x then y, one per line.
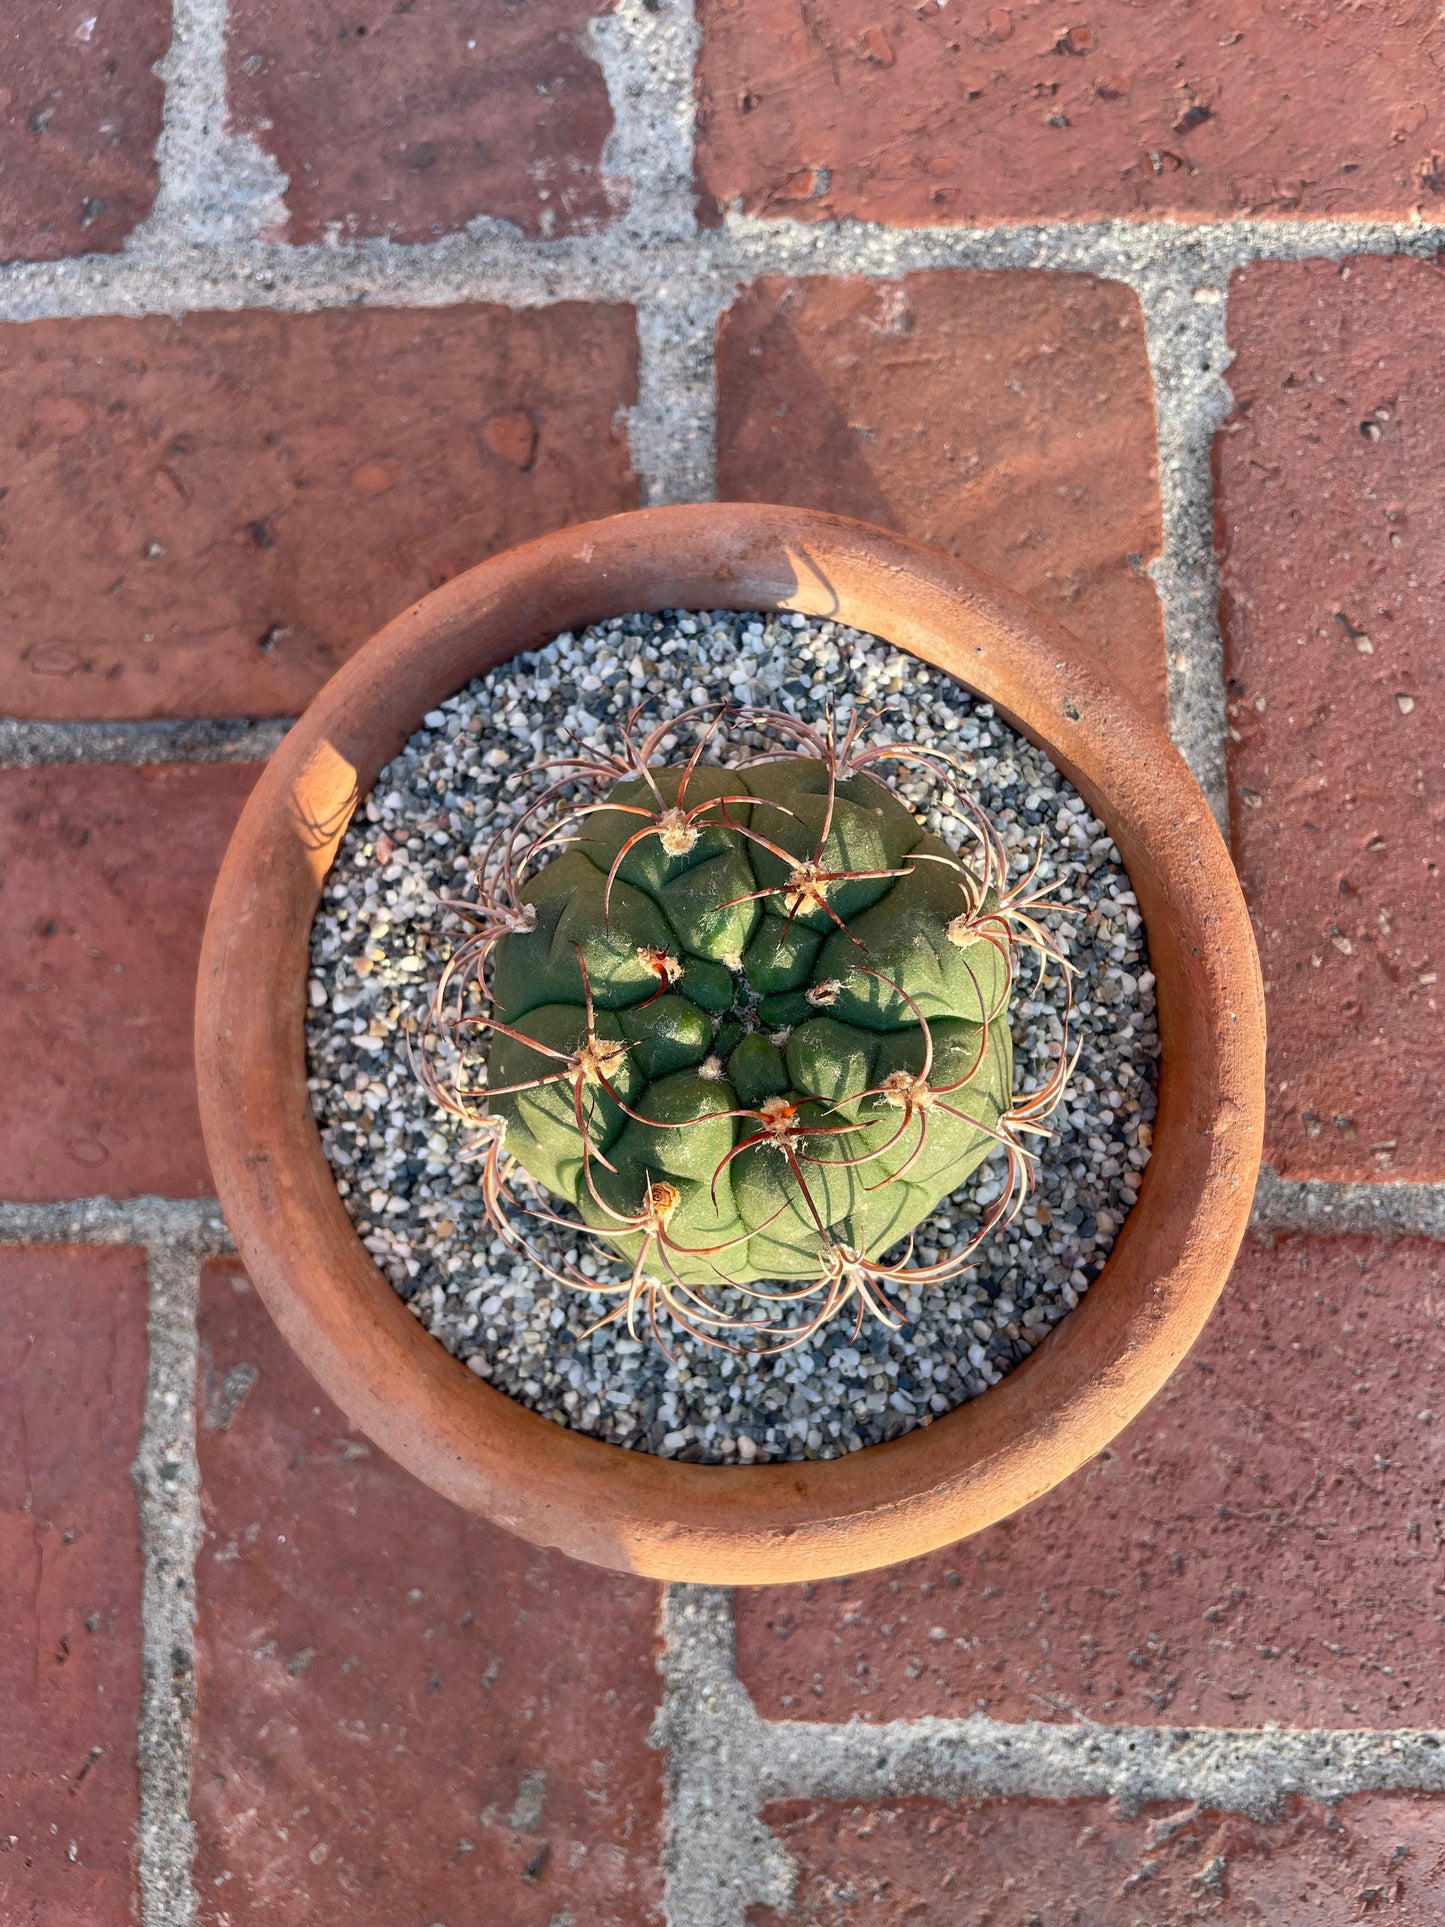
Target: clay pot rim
pixel 630 1510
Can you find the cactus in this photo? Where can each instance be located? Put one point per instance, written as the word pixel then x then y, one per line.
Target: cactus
pixel 748 1024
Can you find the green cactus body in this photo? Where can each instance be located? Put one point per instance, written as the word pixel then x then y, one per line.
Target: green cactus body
pixel 718 1008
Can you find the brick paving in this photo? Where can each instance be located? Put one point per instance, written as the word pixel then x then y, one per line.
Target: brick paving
pixel 401 1713
pixel 72 1374
pixel 1263 1543
pixel 1058 1863
pixel 78 135
pixel 255 494
pixel 370 305
pixel 1020 113
pixel 109 872
pixel 1006 418
pixel 1330 490
pixel 410 121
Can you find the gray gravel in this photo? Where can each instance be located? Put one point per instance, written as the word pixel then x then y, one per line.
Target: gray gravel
pixel 379 940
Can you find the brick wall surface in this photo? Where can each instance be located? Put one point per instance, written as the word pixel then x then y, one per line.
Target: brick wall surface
pixel 109 871
pixel 303 309
pixel 1330 474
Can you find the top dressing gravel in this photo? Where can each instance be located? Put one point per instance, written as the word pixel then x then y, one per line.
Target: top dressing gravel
pixel 380 939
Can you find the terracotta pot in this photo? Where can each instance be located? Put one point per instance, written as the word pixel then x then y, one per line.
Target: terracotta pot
pixel 724 1524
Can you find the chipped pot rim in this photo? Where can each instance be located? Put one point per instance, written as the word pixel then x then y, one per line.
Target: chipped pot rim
pixel 601 1502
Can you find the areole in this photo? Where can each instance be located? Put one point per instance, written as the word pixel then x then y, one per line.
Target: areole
pixel 630 1510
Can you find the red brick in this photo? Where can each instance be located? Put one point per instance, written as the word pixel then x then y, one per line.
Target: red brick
pixel 1332 505
pixel 105 876
pixel 82 112
pixel 409 121
pixel 1021 113
pixel 1263 1543
pixel 207 516
pixel 72 1378
pixel 405 1714
pixel 1007 418
pixel 1078 1863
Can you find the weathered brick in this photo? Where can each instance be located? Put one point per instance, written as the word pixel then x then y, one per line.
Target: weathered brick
pixel 1332 507
pixel 1007 418
pixel 405 1715
pixel 1263 1543
pixel 1080 1863
pixel 410 121
pixel 206 516
pixel 82 112
pixel 1018 113
pixel 105 875
pixel 72 1378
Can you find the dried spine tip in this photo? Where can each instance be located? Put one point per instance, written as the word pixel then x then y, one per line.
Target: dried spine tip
pixel 737 1027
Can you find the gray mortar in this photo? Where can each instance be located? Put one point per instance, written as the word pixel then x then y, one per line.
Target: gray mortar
pixel 1184 329
pixel 144 1222
pixel 167 1483
pixel 647 53
pixel 719 1859
pixel 1330 1210
pixel 216 187
pixel 672 430
pixel 1230 1770
pixel 198 251
pixel 27 745
pixel 494 261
